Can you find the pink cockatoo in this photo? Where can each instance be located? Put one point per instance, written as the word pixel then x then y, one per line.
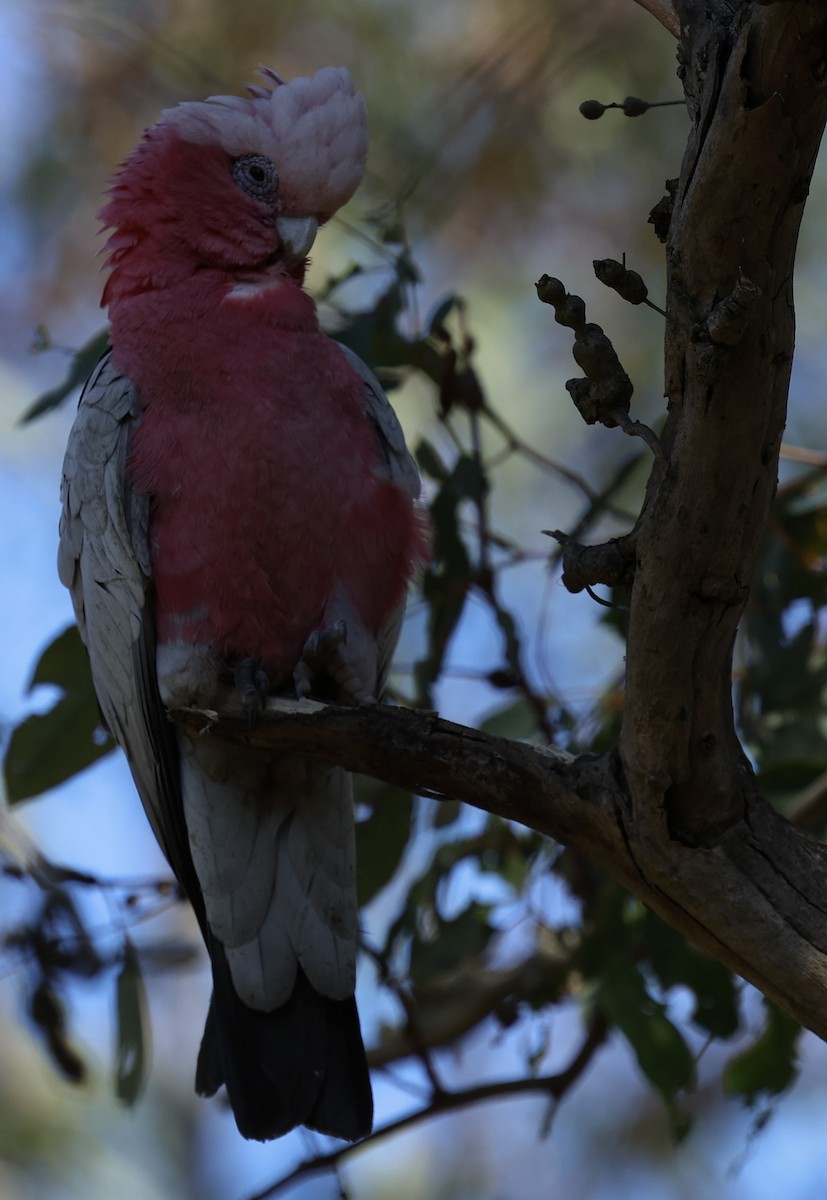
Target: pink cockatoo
pixel 240 517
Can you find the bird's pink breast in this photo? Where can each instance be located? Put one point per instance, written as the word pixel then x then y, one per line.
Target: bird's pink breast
pixel 254 445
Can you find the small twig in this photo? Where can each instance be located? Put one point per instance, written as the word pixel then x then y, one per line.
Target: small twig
pixel 801 454
pixel 480 501
pixel 632 106
pixel 411 1019
pixel 638 429
pixel 542 460
pixel 599 599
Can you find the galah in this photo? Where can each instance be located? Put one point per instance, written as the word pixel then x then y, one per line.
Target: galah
pixel 240 518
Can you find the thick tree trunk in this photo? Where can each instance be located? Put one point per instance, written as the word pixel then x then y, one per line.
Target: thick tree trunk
pixel 674 813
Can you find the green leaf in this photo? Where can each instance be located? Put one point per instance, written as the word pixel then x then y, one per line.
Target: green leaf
pixel 372 333
pixel 131 1047
pixel 47 749
pixel 770 1065
pixel 446 583
pixel 439 312
pixel 447 812
pixel 468 479
pixel 48 1012
pixel 675 961
pixel 429 461
pixel 446 944
pixel 61 662
pixel 516 720
pixel 381 838
pixel 661 1051
pixel 499 850
pixel 80 368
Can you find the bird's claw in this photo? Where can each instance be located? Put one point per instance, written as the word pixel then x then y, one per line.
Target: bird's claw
pixel 325 653
pixel 254 685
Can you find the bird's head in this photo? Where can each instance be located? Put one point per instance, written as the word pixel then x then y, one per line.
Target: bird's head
pixel 235 183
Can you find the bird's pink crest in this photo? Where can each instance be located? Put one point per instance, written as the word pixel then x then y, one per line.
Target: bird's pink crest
pixel 313 129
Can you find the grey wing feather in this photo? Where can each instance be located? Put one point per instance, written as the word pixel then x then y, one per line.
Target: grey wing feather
pixel 104 560
pixel 102 557
pixel 396 457
pixel 399 466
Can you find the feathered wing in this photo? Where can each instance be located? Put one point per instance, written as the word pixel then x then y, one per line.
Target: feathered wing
pixel 398 466
pixel 103 558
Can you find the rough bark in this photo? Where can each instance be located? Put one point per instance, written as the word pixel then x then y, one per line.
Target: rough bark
pixel 674 813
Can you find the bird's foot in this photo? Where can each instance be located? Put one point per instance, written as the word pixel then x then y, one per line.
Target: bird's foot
pixel 325 653
pixel 253 684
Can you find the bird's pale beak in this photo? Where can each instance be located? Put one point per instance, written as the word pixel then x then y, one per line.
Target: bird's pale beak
pixel 297 235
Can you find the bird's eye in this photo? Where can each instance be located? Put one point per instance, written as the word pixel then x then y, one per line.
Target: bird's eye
pixel 256 175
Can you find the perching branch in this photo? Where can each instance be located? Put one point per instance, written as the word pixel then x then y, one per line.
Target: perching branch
pixel 757 900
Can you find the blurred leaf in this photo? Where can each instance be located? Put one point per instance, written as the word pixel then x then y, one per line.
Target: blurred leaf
pixel 80 368
pixel 439 312
pixel 60 662
pixel 45 750
pixel 675 961
pixel 447 812
pixel 130 1053
pixel 661 1051
pixel 382 837
pixel 771 1063
pixel 430 462
pixel 446 583
pixel 516 720
pixel 48 1013
pixel 500 851
pixel 372 333
pixel 468 479
pixel 450 943
pixel 333 282
pixel 450 1004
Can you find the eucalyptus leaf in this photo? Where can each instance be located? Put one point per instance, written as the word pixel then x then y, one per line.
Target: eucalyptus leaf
pixel 46 749
pixel 131 1057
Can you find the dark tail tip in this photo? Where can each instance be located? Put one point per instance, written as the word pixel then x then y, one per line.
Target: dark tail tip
pixel 303 1064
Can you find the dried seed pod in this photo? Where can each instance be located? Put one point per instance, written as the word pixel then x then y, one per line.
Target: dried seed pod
pixel 592 110
pixel 626 283
pixel 633 106
pixel 550 290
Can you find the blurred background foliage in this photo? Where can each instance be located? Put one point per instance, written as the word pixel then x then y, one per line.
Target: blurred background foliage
pixel 494 963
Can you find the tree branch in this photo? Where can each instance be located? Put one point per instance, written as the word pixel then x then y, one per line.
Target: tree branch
pixel 757 901
pixel 755 85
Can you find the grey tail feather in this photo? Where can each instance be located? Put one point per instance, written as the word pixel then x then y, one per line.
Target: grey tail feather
pixel 302 1064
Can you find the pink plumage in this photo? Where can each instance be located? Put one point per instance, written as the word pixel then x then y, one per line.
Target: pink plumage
pixel 253 494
